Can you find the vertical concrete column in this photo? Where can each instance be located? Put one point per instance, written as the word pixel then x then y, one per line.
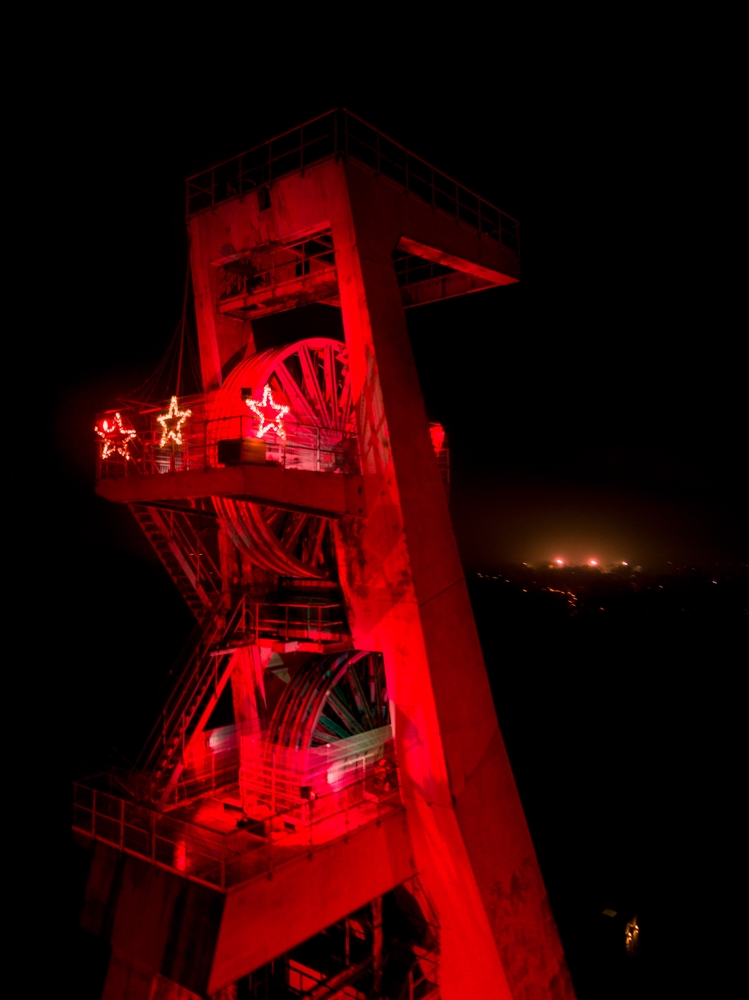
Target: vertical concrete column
pixel 219 337
pixel 248 696
pixel 403 580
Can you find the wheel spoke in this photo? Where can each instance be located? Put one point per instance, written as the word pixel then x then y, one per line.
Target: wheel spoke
pixel 331 386
pixel 335 727
pixel 312 553
pixel 335 702
pixel 299 404
pixel 377 668
pixel 312 384
pixel 353 678
pixel 292 529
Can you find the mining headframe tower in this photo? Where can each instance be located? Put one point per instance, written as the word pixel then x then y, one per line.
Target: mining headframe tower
pixel 356 831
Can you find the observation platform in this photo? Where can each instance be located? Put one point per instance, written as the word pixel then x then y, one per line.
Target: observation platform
pixel 197 859
pixel 310 492
pixel 230 821
pixel 313 470
pixel 283 275
pixel 339 133
pixel 201 841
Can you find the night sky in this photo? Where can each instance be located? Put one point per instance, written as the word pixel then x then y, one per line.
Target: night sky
pixel 594 411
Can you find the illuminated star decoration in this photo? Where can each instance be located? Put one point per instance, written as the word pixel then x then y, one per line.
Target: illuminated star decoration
pixel 274 425
pixel 171 423
pixel 116 438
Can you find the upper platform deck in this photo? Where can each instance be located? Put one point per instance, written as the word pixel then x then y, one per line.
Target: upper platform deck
pixel 339 133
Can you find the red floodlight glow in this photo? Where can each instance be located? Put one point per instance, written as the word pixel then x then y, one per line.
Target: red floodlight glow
pixel 437 434
pixel 180 856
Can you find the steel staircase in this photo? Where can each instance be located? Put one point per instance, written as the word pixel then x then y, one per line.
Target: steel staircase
pixel 195 693
pixel 184 555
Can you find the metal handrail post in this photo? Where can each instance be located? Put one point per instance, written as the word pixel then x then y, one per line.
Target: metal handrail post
pixel 122 824
pixel 93 815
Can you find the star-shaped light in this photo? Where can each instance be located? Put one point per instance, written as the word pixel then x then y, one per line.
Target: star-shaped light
pixel 116 438
pixel 267 401
pixel 171 423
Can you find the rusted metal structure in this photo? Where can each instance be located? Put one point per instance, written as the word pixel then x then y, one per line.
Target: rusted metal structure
pixel 299 504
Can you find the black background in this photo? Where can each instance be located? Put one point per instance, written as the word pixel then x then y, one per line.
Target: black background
pixel 595 404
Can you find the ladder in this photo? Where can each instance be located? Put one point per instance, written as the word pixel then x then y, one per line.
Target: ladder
pixel 184 555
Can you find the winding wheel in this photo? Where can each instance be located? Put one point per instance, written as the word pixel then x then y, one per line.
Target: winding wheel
pixel 310 378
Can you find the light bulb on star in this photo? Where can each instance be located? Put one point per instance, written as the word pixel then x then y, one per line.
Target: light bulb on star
pixel 172 422
pixel 116 437
pixel 257 407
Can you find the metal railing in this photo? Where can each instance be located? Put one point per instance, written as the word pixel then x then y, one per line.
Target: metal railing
pixel 340 133
pixel 243 276
pixel 311 621
pixel 201 855
pixel 410 269
pixel 203 446
pixel 421 982
pixel 205 776
pixel 274 776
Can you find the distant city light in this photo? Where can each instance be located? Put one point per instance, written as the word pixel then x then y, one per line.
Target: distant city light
pixel 593 562
pixel 625 564
pixel 559 562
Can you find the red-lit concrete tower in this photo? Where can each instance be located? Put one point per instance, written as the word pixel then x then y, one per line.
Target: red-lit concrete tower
pixel 299 507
